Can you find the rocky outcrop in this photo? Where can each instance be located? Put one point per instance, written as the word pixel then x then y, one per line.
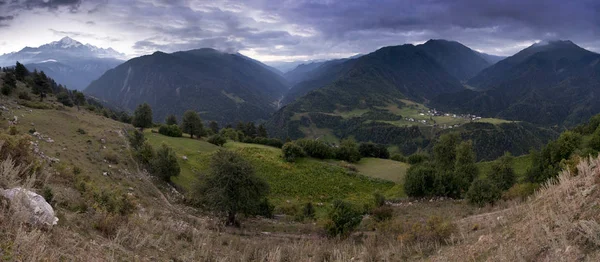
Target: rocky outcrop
pixel 29 207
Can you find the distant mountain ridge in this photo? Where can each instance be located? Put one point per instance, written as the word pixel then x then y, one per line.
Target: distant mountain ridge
pixel 555 82
pixel 221 86
pixel 68 61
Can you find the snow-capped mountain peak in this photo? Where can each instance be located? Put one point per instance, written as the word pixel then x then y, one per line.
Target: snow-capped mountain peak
pixel 65 42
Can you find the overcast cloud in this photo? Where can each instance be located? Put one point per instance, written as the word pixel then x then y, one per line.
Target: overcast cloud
pixel 285 30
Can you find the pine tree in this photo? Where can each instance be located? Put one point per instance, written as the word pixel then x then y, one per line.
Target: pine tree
pixel 21 72
pixel 142 117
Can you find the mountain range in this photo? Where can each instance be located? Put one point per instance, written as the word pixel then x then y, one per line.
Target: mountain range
pixel 68 61
pixel 548 83
pixel 221 86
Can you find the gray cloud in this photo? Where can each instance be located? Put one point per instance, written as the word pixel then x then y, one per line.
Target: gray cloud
pixel 311 29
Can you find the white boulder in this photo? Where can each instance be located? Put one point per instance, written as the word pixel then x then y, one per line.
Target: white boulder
pixel 30 207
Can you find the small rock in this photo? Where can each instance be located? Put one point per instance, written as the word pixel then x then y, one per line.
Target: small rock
pixel 103 147
pixel 184 157
pixel 33 124
pixel 105 173
pixel 109 166
pixel 103 141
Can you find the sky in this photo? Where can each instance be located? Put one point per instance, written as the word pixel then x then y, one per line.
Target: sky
pixel 294 30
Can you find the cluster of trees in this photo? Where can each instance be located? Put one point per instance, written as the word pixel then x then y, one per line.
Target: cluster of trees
pixel 161 162
pixel 565 151
pixel 452 173
pixel 348 150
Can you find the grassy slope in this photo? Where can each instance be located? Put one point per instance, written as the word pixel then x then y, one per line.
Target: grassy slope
pixel 303 181
pixel 520 165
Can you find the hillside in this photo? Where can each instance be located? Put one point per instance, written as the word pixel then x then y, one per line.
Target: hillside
pixel 111 209
pixel 221 86
pixel 547 83
pixel 457 59
pixel 68 61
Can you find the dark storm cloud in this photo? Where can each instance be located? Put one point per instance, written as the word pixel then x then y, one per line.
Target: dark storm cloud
pixel 320 28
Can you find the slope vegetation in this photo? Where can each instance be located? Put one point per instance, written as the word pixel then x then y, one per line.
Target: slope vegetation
pixel 221 86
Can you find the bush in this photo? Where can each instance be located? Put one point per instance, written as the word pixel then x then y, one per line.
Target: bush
pixel 12 130
pixel 165 164
pixel 399 158
pixel 420 181
pixel 502 173
pixel 145 155
pixel 81 131
pixel 417 158
pixel 343 218
pixel 217 140
pixel 482 192
pixel 379 199
pixel 315 148
pixel 291 152
pixel 382 213
pixel 24 95
pixel 64 99
pixel 435 230
pixel 265 209
pixel 520 191
pixel 308 211
pixel 232 134
pixel 373 150
pixel 348 151
pixel 170 130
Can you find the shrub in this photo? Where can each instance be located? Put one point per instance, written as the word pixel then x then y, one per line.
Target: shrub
pixel 217 140
pixel 308 211
pixel 373 150
pixel 265 209
pixel 232 134
pixel 343 218
pixel 379 199
pixel 399 158
pixel 170 130
pixel 315 148
pixel 145 154
pixel 419 181
pixel 417 158
pixel 136 140
pixel 24 95
pixel 382 213
pixel 502 173
pixel 12 130
pixel 348 151
pixel 520 191
pixel 594 143
pixel 291 152
pixel 165 164
pixel 482 192
pixel 64 99
pixel 81 131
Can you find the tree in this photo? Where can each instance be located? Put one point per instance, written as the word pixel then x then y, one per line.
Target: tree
pixel 465 170
pixel 136 140
pixel 348 151
pixel 343 219
pixel 214 126
pixel 142 117
pixel 192 124
pixel 420 180
pixel 291 152
pixel 217 140
pixel 21 72
pixel 171 130
pixel 231 187
pixel 78 98
pixel 250 130
pixel 594 143
pixel 65 99
pixel 164 164
pixel 482 192
pixel 502 174
pixel 444 152
pixel 261 131
pixel 171 120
